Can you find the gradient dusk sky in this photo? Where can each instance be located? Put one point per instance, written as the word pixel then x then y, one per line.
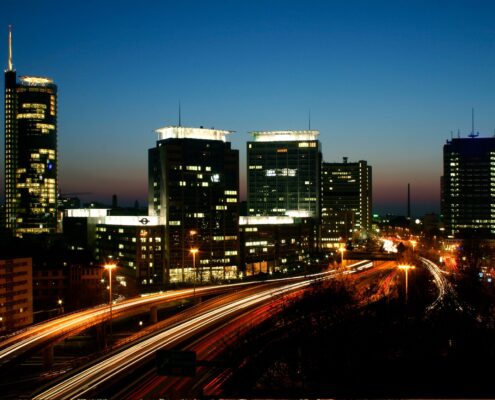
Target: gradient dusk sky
pixel 386 81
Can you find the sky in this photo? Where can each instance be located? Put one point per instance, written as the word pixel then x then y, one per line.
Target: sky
pixel 384 81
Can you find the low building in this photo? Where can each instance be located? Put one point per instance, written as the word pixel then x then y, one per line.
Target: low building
pixel 275 243
pixel 79 227
pixel 50 289
pixel 16 293
pixel 136 244
pixel 86 287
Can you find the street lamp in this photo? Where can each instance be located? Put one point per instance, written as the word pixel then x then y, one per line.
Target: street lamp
pixel 342 251
pixel 192 233
pixel 413 244
pixel 406 268
pixel 60 308
pixel 193 251
pixel 110 267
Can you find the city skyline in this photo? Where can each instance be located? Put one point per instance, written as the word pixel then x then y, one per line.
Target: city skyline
pixel 385 83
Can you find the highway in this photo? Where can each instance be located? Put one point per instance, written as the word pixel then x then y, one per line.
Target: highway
pixel 208 346
pixel 90 381
pixel 444 287
pixel 50 331
pixel 85 382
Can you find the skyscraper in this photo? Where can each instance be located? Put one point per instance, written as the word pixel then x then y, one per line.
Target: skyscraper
pixel 194 189
pixel 345 200
pixel 468 187
pixel 284 173
pixel 30 152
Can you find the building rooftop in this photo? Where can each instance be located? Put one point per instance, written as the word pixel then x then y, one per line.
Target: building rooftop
pixel 35 81
pixel 284 136
pixel 265 220
pixel 86 212
pixel 182 132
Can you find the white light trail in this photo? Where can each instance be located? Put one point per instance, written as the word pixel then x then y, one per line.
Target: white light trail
pixel 82 383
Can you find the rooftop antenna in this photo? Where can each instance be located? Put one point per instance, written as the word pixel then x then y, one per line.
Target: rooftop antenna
pixel 458 133
pixel 179 115
pixel 10 63
pixel 473 134
pixel 309 119
pixel 408 201
pixel 472 120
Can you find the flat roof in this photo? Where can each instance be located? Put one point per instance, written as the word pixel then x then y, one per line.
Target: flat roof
pixel 284 136
pixel 265 220
pixel 35 80
pixel 86 212
pixel 132 220
pixel 105 219
pixel 183 132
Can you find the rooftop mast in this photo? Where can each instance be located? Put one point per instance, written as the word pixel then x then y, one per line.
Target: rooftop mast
pixel 180 122
pixel 473 134
pixel 10 63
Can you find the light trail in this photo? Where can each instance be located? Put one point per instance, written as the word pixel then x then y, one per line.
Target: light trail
pixel 90 379
pixel 441 282
pixel 50 330
pixel 38 335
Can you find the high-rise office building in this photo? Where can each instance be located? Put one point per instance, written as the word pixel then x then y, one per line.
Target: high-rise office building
pixel 468 188
pixel 194 189
pixel 283 173
pixel 345 201
pixel 30 152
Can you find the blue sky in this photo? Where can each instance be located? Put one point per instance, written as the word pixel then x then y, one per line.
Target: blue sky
pixel 386 81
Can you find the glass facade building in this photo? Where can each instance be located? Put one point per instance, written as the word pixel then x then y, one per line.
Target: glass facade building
pixel 30 153
pixel 283 174
pixel 194 190
pixel 468 187
pixel 345 201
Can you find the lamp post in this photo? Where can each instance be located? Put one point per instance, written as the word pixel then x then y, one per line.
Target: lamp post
pixel 342 251
pixel 413 244
pixel 109 268
pixel 60 308
pixel 406 268
pixel 193 251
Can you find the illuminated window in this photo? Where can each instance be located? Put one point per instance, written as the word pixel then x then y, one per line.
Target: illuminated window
pixel 215 178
